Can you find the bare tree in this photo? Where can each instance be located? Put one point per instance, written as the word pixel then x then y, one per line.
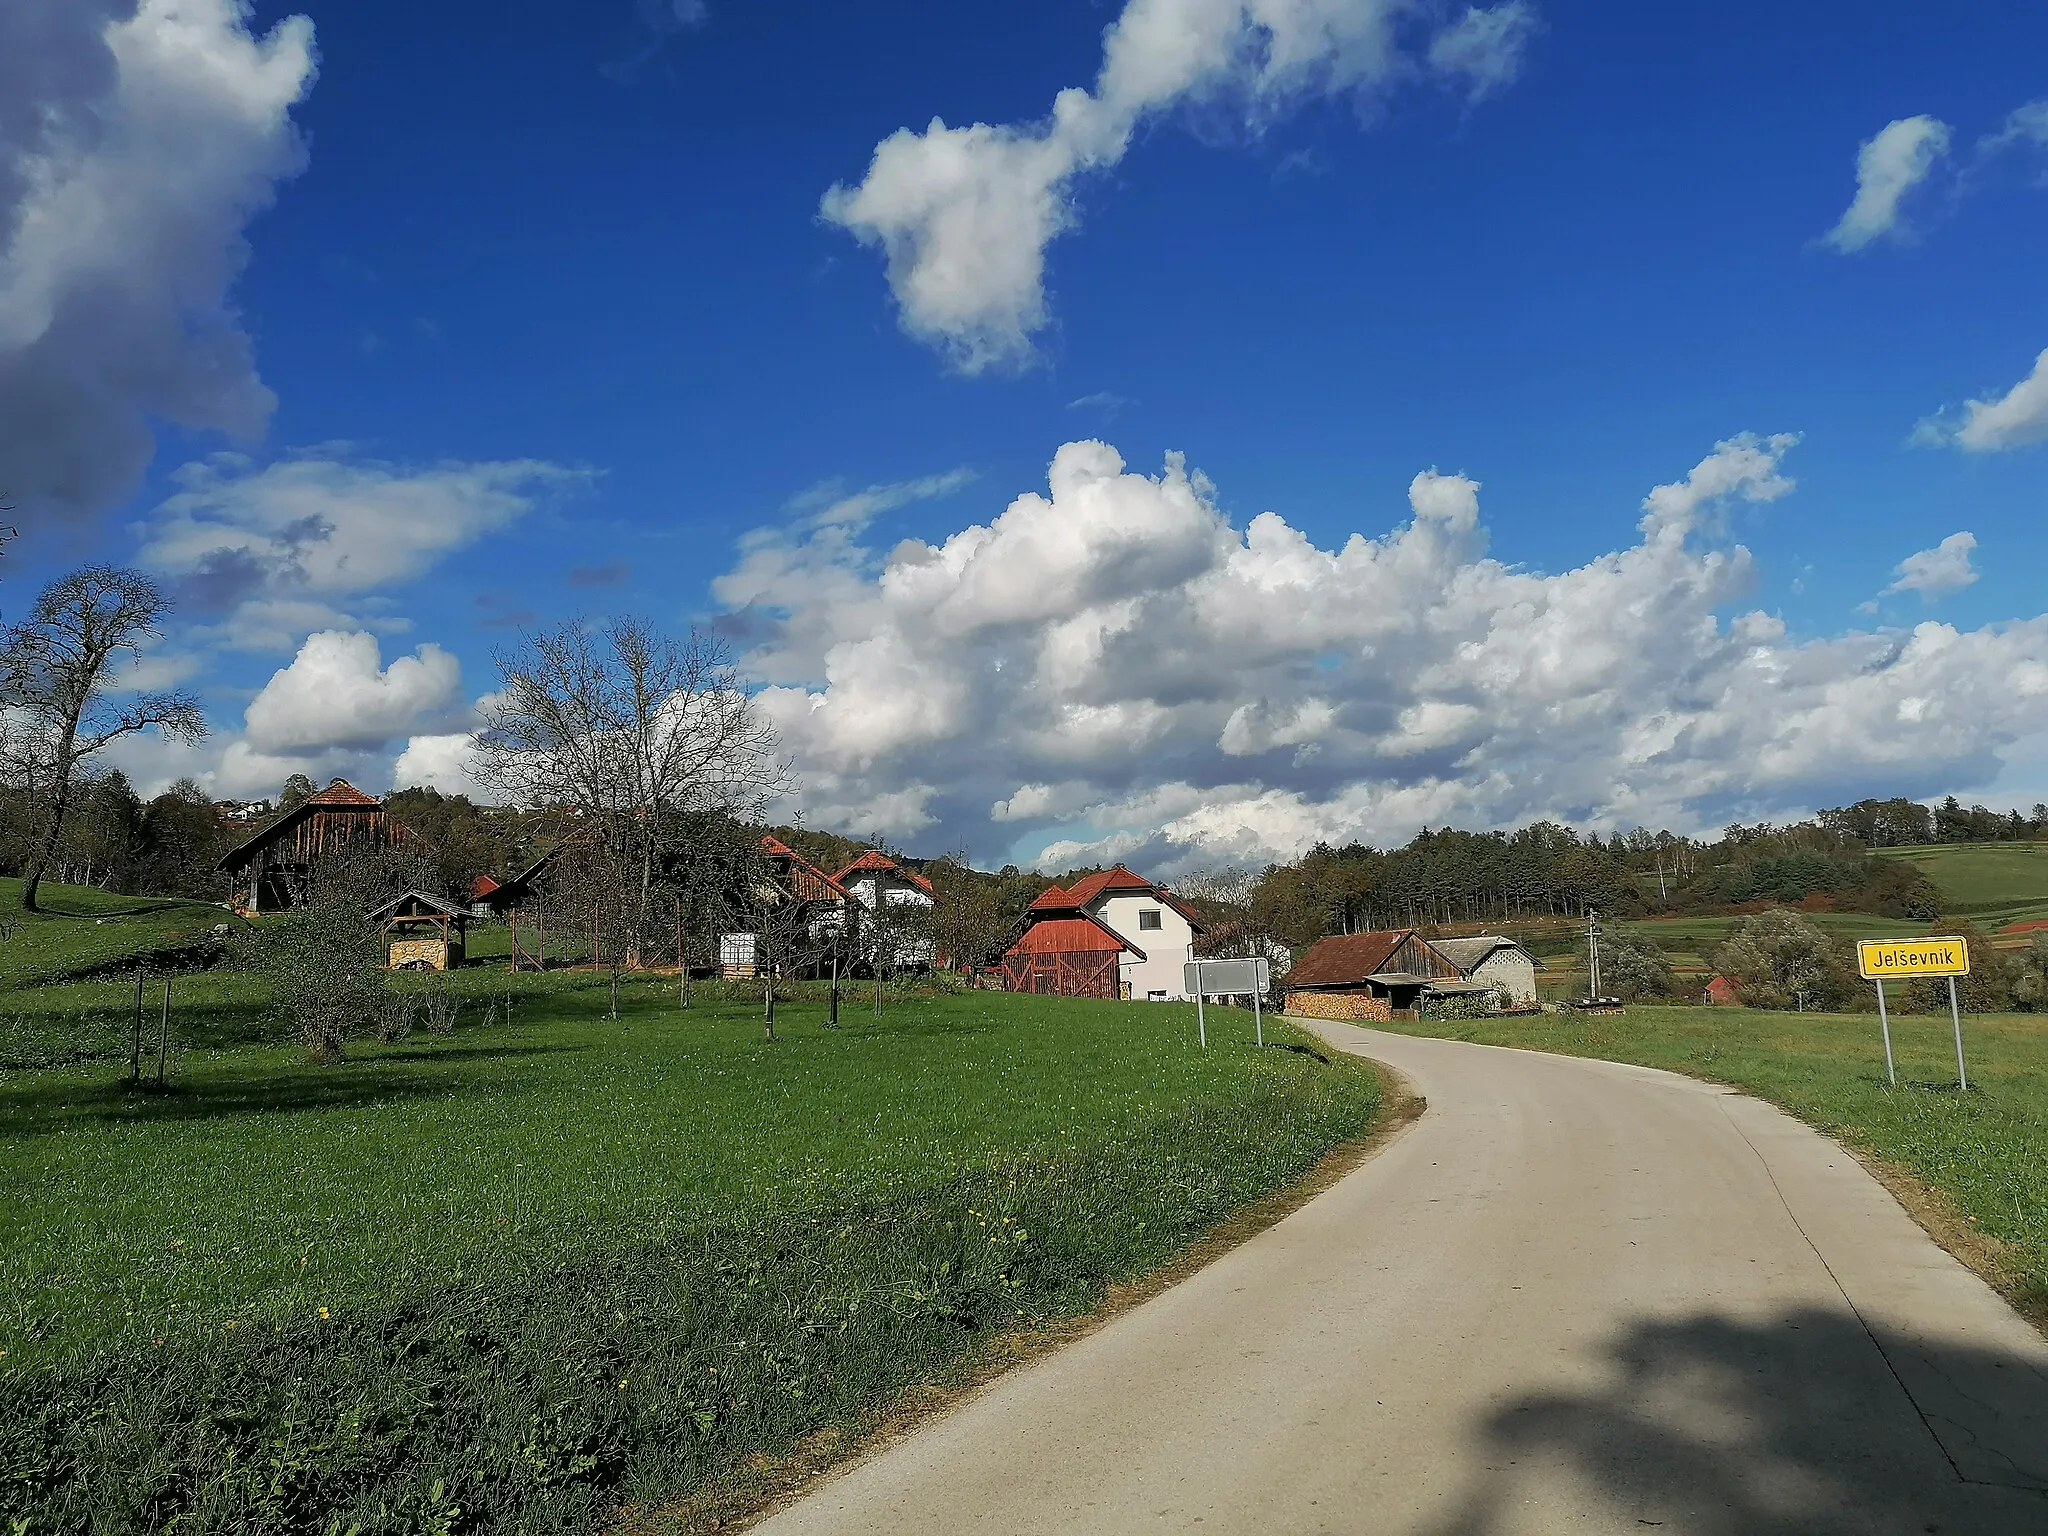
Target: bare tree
pixel 54 686
pixel 644 739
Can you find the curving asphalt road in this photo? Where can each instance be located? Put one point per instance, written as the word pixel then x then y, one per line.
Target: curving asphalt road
pixel 1574 1296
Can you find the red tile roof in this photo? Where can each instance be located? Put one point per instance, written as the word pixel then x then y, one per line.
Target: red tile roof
pixel 881 861
pixel 341 792
pixel 1349 957
pixel 809 882
pixel 1070 935
pixel 1091 888
pixel 1053 899
pixel 481 887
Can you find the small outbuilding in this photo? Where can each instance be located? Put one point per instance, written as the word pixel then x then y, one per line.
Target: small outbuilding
pixel 1501 965
pixel 1065 951
pixel 1721 993
pixel 1360 977
pixel 425 933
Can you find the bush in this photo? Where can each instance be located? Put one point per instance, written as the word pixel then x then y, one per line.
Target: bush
pixel 1777 959
pixel 324 963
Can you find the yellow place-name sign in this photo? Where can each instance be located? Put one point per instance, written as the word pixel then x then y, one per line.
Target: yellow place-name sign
pixel 1885 959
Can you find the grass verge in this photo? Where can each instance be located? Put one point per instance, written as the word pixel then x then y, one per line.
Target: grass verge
pixel 1980 1159
pixel 532 1275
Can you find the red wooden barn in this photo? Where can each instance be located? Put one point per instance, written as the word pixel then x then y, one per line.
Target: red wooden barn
pixel 1064 952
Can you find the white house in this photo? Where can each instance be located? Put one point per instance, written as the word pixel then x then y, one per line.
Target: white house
pixel 1153 922
pixel 882 886
pixel 1500 963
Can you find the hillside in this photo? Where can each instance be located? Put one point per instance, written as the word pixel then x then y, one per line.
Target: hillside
pixel 86 932
pixel 1992 884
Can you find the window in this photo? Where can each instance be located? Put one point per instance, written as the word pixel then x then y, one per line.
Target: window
pixel 1155 997
pixel 1149 919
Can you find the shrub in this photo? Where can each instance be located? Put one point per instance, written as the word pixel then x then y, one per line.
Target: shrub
pixel 324 962
pixel 1777 959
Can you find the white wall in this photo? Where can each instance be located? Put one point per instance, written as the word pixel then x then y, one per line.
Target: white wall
pixel 1167 948
pixel 1510 969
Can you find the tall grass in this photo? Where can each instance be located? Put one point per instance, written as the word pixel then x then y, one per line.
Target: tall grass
pixel 517 1278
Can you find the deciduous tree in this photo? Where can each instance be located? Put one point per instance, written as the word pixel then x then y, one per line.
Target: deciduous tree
pixel 60 705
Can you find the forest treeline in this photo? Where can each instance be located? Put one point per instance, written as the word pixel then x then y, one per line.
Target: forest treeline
pixel 171 844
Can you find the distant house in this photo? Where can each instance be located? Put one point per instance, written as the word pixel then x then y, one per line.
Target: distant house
pixel 273 869
pixel 1501 964
pixel 884 887
pixel 800 901
pixel 1114 934
pixel 1370 976
pixel 1721 993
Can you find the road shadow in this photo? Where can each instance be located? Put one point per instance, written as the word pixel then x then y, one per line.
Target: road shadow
pixel 1805 1425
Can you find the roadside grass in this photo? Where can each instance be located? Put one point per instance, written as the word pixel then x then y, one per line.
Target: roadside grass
pixel 1985 1151
pixel 86 931
pixel 530 1274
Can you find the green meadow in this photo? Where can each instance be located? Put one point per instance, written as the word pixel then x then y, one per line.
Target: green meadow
pixel 550 1266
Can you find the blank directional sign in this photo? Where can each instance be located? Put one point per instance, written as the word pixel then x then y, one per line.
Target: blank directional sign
pixel 1224 978
pixel 1897 959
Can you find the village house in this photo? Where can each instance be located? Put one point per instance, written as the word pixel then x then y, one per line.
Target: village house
pixel 803 908
pixel 883 887
pixel 274 868
pixel 1502 965
pixel 1111 935
pixel 1370 977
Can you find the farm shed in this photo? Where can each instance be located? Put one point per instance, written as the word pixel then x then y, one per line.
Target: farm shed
pixel 425 933
pixel 1368 976
pixel 1502 965
pixel 273 869
pixel 1065 952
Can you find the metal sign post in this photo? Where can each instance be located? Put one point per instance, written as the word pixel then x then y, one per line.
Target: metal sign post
pixel 1884 1021
pixel 1881 959
pixel 1204 979
pixel 1955 1010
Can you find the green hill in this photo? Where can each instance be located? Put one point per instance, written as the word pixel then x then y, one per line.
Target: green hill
pixel 86 932
pixel 1992 884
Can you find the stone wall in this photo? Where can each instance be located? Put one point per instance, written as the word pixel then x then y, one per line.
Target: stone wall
pixel 1344 1007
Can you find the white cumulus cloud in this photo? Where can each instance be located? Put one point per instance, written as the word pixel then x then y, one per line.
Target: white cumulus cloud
pixel 136 142
pixel 1888 166
pixel 337 693
pixel 2011 420
pixel 273 548
pixel 1938 571
pixel 1113 667
pixel 963 215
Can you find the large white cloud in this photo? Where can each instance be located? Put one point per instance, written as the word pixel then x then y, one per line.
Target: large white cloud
pixel 1115 665
pixel 337 693
pixel 274 548
pixel 1890 165
pixel 136 142
pixel 963 215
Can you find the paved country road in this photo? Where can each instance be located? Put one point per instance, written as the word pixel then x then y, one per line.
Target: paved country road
pixel 1574 1296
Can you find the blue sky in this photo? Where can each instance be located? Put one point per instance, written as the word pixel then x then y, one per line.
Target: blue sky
pixel 555 281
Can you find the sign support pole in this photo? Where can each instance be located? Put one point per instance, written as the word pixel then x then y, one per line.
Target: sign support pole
pixel 1884 1020
pixel 1955 1010
pixel 1258 1021
pixel 1201 1024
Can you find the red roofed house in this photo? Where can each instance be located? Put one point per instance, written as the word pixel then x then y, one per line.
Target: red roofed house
pixel 882 885
pixel 1112 935
pixel 824 907
pixel 273 869
pixel 1721 992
